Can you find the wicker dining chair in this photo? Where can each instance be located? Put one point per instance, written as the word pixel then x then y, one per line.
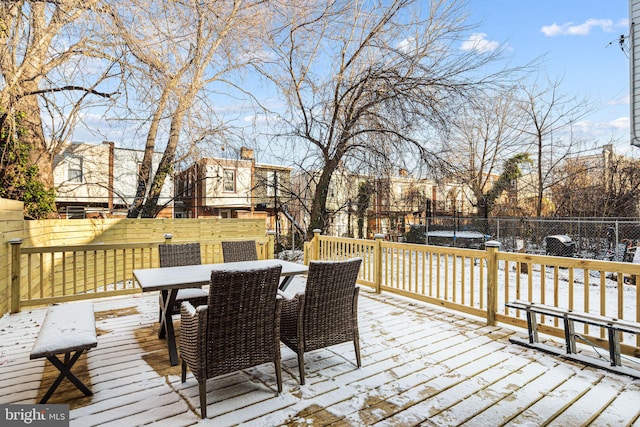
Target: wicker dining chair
pixel 179 254
pixel 326 313
pixel 239 250
pixel 238 328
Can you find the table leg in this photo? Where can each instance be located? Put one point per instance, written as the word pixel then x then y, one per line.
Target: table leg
pixel 167 301
pixel 286 281
pixel 164 299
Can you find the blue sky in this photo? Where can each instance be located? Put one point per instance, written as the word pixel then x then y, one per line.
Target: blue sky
pixel 579 41
pixel 577 38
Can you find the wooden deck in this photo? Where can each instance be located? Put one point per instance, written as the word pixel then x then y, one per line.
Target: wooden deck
pixel 421 366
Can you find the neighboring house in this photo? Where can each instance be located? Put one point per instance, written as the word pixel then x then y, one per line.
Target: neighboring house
pixel 100 180
pixel 400 201
pixel 604 184
pixel 341 200
pixel 395 203
pixel 272 193
pixel 234 188
pixel 214 188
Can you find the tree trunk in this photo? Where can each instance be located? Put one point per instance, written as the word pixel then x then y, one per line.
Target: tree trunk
pixel 150 208
pixel 147 162
pixel 39 155
pixel 319 217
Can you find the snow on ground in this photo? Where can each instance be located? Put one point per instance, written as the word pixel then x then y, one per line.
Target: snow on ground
pixel 553 286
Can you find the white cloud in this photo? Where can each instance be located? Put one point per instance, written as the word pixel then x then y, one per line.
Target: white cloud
pixel 406 44
pixel 261 119
pixel 583 29
pixel 602 131
pixel 479 42
pixel 621 123
pixel 623 100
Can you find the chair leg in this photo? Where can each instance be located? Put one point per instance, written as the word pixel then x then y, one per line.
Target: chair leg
pixel 184 371
pixel 301 365
pixel 202 387
pixel 278 374
pixel 356 331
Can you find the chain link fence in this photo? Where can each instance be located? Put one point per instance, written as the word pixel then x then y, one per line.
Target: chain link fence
pixel 594 238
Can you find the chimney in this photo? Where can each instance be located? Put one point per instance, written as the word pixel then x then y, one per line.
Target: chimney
pixel 246 153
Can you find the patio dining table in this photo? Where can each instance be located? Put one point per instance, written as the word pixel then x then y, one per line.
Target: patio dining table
pixel 168 280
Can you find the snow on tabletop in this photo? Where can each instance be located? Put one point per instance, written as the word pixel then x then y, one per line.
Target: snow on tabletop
pixel 189 293
pixel 296 286
pixel 65 327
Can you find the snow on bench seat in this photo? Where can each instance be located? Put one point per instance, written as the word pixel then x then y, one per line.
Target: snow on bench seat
pixel 67 329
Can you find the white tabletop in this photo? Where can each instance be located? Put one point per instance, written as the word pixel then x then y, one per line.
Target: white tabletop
pixel 163 278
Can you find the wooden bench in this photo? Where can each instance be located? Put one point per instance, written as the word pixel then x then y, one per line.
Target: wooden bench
pixel 67 329
pixel 613 326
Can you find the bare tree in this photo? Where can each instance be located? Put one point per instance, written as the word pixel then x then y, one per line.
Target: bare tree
pixel 368 80
pixel 550 117
pixel 600 185
pixel 42 48
pixel 486 135
pixel 179 50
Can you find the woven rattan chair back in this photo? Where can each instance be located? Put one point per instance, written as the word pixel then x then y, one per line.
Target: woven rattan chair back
pixel 327 313
pixel 175 255
pixel 239 250
pixel 238 329
pixel 179 254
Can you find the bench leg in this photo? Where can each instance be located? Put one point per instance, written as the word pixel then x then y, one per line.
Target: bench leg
pixel 65 371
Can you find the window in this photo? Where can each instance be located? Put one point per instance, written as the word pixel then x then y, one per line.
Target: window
pixel 229 180
pixel 74 169
pixel 272 183
pixel 75 212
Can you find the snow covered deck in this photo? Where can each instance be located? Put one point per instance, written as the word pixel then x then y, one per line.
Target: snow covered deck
pixel 421 365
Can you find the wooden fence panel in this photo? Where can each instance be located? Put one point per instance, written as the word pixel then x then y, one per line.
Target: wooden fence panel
pixel 11 227
pixel 480 282
pixel 51 270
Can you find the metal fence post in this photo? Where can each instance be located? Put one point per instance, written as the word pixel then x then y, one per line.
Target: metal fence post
pixel 377 259
pixel 492 248
pixel 15 274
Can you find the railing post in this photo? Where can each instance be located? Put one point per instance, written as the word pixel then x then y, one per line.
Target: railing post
pixel 377 260
pixel 167 238
pixel 271 245
pixel 15 274
pixel 492 248
pixel 316 244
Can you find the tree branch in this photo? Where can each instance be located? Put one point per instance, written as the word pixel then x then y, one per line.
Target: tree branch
pixel 65 88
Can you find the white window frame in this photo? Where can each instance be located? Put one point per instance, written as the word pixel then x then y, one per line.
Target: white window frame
pixel 271 176
pixel 74 174
pixel 229 179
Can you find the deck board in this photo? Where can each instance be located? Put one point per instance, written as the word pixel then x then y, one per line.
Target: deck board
pixel 421 366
